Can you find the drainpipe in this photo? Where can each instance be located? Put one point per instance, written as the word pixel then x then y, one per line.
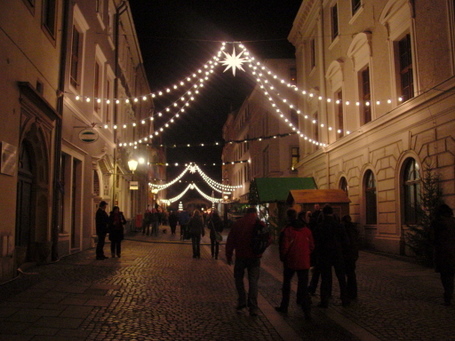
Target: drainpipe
pixel 58 133
pixel 119 11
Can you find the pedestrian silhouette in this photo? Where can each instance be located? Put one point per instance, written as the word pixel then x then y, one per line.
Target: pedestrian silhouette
pixel 102 221
pixel 444 246
pixel 239 240
pixel 196 231
pixel 116 231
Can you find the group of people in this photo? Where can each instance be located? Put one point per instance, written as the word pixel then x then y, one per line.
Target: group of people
pixel 111 224
pixel 153 219
pixel 320 241
pixel 195 227
pixel 315 240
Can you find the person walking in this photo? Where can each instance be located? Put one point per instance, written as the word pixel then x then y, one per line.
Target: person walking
pixel 102 221
pixel 296 245
pixel 184 217
pixel 215 224
pixel 173 220
pixel 444 249
pixel 239 240
pixel 314 219
pixel 155 221
pixel 196 230
pixel 116 222
pixel 330 240
pixel 351 255
pixel 146 221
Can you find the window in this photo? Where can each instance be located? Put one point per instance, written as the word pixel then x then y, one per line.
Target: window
pixel 452 26
pixel 405 68
pixel 99 6
pixel 39 87
pixel 294 117
pixel 108 98
pixel 293 75
pixel 49 16
pixel 96 184
pixel 97 87
pixel 315 127
pixel 312 54
pixel 30 5
pixel 339 114
pixel 411 191
pixel 370 198
pixel 397 17
pixel 75 58
pixel 265 162
pixel 344 185
pixel 355 5
pixel 365 96
pixel 334 17
pixel 294 157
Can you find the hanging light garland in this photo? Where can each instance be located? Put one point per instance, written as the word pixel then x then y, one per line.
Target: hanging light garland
pixel 191 186
pixel 193 168
pixel 234 61
pixel 205 164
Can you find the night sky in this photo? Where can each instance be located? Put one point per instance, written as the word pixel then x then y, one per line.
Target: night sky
pixel 178 36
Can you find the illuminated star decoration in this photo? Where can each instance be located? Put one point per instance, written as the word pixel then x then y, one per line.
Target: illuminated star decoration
pixel 234 61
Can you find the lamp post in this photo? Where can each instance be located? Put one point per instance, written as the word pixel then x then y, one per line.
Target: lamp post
pixel 132 165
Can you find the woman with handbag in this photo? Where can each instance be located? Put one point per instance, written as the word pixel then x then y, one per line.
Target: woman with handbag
pixel 215 224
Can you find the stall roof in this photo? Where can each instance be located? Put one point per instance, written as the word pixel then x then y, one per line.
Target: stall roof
pixel 277 189
pixel 322 196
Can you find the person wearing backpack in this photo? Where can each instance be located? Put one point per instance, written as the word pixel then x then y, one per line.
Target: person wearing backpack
pixel 240 239
pixel 296 245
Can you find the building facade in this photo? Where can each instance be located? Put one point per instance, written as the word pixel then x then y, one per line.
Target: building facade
pixel 75 102
pixel 376 90
pixel 266 146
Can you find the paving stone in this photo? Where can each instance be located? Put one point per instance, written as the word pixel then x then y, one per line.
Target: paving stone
pixel 157 291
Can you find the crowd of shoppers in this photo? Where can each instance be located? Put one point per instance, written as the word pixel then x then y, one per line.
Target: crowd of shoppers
pixel 316 243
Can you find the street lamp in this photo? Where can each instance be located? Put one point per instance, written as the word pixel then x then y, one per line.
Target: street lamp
pixel 132 165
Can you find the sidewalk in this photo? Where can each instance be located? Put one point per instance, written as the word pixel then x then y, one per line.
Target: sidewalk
pixel 157 291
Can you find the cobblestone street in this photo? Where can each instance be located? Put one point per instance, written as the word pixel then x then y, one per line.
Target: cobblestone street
pixel 157 291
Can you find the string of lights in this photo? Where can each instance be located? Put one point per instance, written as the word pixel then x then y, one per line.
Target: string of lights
pixel 193 168
pixel 205 164
pixel 191 186
pixel 232 61
pixel 214 144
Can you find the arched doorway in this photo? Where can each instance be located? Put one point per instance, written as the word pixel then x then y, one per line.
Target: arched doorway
pixel 24 217
pixel 32 232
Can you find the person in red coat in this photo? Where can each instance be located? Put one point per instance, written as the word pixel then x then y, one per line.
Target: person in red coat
pixel 296 245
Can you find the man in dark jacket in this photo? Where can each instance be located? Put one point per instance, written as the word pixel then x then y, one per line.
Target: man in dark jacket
pixel 331 239
pixel 102 222
pixel 239 239
pixel 444 243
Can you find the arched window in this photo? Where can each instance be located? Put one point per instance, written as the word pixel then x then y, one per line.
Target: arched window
pixel 344 185
pixel 411 191
pixel 370 198
pixel 96 183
